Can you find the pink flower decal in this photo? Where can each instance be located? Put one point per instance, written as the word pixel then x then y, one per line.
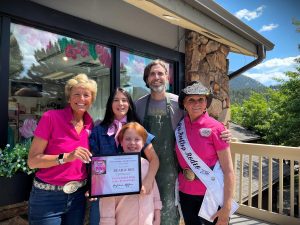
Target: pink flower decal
pixel 71 52
pixel 105 58
pixel 84 50
pixel 28 127
pixel 99 49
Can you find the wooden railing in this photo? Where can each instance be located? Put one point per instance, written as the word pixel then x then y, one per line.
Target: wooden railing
pixel 267 182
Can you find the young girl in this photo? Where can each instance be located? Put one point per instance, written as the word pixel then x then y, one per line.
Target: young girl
pixel 119 110
pixel 138 209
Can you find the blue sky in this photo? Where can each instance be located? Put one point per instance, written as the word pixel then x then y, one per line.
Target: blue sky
pixel 273 20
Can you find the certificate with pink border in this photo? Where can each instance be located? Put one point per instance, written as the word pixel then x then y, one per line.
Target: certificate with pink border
pixel 115 175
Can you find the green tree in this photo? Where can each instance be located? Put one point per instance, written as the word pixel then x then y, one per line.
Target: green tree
pixel 275 113
pixel 290 122
pixel 259 113
pixel 15 58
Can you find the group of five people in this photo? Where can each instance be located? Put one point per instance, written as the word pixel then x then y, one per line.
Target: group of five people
pixel 65 140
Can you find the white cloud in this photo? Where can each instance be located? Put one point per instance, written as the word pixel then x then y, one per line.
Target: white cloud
pixel 273 68
pixel 249 15
pixel 278 63
pixel 266 78
pixel 269 27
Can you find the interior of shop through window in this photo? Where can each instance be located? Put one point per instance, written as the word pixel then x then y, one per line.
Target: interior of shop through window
pixel 40 64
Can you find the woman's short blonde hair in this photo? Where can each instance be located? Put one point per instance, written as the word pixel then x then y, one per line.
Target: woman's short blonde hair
pixel 81 80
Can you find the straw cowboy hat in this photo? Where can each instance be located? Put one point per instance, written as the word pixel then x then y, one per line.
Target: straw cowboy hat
pixel 195 88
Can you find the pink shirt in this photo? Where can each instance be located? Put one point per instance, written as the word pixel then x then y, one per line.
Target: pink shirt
pixel 205 146
pixel 55 127
pixel 131 209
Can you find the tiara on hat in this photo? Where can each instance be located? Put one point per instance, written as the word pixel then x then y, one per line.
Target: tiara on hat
pixel 196 89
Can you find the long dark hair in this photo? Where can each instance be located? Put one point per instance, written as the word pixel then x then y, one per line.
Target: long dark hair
pixel 109 114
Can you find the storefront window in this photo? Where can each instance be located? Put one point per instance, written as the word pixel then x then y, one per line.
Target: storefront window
pixel 40 64
pixel 132 70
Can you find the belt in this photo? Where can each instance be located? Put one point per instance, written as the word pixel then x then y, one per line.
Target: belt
pixel 68 188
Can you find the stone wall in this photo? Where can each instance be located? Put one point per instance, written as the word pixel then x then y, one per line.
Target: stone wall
pixel 206 61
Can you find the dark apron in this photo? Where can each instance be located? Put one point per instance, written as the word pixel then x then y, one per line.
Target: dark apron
pixel 164 145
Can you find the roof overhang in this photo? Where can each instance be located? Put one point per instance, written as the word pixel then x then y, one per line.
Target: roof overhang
pixel 209 19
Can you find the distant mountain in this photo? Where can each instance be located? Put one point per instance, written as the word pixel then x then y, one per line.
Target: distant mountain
pixel 241 87
pixel 244 82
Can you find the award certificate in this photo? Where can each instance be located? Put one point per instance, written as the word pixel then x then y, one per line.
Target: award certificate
pixel 115 175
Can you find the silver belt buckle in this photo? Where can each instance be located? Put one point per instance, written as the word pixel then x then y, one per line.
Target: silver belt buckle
pixel 71 187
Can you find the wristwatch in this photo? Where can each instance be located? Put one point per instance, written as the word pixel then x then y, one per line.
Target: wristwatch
pixel 60 159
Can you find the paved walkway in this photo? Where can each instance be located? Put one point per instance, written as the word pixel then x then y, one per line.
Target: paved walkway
pixel 236 219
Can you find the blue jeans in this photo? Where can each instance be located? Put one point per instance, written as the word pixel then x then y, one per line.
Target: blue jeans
pixel 94 213
pixel 56 207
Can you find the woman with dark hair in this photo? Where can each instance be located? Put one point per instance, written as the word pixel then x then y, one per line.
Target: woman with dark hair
pixel 109 113
pixel 119 111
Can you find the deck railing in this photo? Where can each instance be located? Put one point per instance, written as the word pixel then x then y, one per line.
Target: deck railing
pixel 267 182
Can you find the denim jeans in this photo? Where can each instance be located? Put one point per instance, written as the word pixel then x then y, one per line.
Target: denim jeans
pixel 56 207
pixel 94 213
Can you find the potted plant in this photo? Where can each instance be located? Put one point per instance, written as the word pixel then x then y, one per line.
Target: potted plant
pixel 15 176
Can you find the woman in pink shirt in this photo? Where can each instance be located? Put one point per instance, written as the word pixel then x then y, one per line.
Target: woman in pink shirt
pixel 200 150
pixel 141 209
pixel 60 151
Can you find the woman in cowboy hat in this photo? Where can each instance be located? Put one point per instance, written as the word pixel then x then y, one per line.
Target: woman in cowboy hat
pixel 203 158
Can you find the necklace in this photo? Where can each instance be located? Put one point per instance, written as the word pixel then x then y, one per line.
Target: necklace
pixel 77 123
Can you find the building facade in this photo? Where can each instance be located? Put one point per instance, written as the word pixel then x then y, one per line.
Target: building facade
pixel 44 43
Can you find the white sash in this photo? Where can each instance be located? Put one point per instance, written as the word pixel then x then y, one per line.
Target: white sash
pixel 213 180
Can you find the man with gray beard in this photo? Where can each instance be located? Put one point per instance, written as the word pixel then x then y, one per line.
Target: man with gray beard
pixel 160 114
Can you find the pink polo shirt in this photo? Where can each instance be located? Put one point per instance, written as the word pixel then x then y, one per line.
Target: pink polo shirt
pixel 205 145
pixel 55 127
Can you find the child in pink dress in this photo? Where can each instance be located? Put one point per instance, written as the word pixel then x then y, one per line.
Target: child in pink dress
pixel 137 209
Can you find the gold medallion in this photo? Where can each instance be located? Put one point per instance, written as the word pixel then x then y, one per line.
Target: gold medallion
pixel 189 174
